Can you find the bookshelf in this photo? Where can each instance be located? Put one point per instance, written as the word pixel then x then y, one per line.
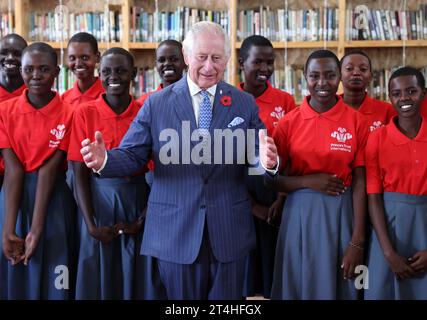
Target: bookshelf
pixel 328 24
pixel 7 23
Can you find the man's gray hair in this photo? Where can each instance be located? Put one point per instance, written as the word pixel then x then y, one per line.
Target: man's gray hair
pixel 206 27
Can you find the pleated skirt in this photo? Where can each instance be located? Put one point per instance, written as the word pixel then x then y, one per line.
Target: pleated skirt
pixel 315 231
pixel 406 218
pixel 49 274
pixel 116 270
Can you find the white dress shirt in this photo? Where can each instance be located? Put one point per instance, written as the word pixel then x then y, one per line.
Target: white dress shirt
pixel 196 97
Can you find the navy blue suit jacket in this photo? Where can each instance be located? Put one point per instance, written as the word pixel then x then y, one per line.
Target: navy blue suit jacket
pixel 186 196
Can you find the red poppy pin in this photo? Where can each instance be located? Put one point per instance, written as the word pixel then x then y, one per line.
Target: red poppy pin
pixel 226 101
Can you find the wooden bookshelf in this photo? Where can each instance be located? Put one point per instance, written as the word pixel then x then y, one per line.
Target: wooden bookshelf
pixel 23 7
pixel 385 43
pixel 302 45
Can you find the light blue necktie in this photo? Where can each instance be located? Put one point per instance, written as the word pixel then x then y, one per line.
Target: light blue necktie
pixel 205 111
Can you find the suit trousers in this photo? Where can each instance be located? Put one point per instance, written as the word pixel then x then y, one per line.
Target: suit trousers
pixel 204 279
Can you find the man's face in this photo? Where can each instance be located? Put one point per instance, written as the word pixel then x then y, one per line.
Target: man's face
pixel 207 60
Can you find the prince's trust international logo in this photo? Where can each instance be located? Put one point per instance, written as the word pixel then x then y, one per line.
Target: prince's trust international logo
pixel 59 133
pixel 342 136
pixel 278 113
pixel 375 125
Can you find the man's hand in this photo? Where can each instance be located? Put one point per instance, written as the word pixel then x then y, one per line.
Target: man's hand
pixel 94 152
pixel 267 150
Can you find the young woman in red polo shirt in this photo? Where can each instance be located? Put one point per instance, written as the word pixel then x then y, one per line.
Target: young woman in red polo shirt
pixel 322 233
pixel 356 74
pixel 256 59
pixel 396 170
pixel 111 210
pixel 11 83
pixel 36 213
pixel 170 65
pixel 83 56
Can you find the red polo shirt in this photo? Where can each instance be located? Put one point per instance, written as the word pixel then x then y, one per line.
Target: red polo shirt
pixel 75 97
pixel 273 104
pixel 423 107
pixel 396 163
pixel 6 95
pixel 331 142
pixel 144 97
pixel 34 134
pixel 377 113
pixel 98 116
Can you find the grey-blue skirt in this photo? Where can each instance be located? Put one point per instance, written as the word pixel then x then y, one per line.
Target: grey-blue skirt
pixel 260 261
pixel 49 274
pixel 116 270
pixel 314 233
pixel 406 217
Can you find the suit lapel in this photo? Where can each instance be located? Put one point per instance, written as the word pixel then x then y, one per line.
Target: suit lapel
pixel 184 105
pixel 219 112
pixel 219 119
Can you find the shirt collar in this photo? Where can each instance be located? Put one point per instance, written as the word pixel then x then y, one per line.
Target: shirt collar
pixel 365 107
pixel 194 88
pixel 92 93
pixel 398 138
pixel 49 110
pixel 16 93
pixel 333 114
pixel 265 97
pixel 106 112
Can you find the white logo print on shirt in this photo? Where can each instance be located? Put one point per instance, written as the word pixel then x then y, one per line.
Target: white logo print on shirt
pixel 278 113
pixel 342 136
pixel 59 133
pixel 375 125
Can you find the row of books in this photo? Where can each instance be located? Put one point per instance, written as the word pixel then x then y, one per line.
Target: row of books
pixel 65 80
pixel 387 24
pixel 146 80
pixel 159 26
pixel 289 25
pixel 105 26
pixel 379 85
pixel 7 24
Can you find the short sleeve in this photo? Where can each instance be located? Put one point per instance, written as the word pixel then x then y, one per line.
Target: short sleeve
pixel 281 140
pixel 68 122
pixel 362 137
pixel 4 137
pixel 77 135
pixel 374 182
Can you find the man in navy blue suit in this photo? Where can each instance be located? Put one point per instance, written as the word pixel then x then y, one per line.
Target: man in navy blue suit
pixel 198 223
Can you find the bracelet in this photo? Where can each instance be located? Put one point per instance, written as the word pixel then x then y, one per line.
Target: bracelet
pixel 357 246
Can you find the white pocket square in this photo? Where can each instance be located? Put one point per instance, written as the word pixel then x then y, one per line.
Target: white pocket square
pixel 236 121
